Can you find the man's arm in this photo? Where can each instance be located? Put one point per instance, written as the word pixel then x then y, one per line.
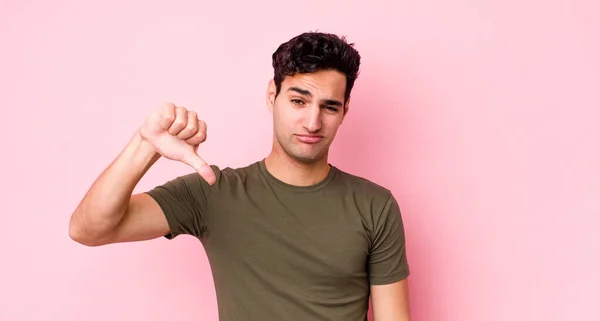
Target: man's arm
pixel 390 302
pixel 109 213
pixel 388 265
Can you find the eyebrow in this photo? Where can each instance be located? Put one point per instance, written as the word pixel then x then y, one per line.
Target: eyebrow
pixel 305 92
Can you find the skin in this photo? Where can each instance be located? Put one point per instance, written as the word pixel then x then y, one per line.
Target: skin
pixel 310 105
pixel 307 114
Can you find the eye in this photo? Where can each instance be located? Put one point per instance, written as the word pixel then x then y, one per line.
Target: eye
pixel 297 102
pixel 331 108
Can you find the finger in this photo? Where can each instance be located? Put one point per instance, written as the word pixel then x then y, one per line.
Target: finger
pixel 167 115
pixel 180 121
pixel 200 136
pixel 201 167
pixel 191 128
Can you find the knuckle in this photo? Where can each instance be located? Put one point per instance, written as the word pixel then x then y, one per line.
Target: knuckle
pixel 179 122
pixel 169 116
pixel 167 113
pixel 167 108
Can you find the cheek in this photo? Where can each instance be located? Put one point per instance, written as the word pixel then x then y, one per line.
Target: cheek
pixel 289 117
pixel 285 119
pixel 332 124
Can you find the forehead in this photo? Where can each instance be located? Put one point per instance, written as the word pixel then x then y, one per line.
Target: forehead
pixel 322 84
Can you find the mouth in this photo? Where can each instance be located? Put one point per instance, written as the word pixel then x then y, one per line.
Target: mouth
pixel 309 139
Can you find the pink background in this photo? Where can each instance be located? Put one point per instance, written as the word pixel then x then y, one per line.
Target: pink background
pixel 481 116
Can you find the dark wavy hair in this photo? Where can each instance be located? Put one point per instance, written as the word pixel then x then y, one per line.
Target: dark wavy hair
pixel 315 51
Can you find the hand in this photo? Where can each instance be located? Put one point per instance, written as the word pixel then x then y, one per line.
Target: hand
pixel 176 134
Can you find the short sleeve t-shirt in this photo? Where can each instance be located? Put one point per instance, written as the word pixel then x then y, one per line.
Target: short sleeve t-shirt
pixel 284 252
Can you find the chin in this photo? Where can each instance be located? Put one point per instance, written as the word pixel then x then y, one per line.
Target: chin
pixel 301 154
pixel 307 158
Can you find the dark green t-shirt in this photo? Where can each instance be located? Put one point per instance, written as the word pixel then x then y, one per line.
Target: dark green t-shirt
pixel 283 252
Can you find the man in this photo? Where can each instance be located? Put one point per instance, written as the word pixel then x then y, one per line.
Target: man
pixel 289 237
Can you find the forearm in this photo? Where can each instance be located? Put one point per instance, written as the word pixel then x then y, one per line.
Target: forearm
pixel 105 203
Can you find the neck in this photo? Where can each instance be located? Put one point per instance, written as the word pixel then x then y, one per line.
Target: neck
pixel 293 172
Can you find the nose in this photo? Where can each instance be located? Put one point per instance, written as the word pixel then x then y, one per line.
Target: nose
pixel 313 122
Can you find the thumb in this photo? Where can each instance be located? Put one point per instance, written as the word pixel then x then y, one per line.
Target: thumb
pixel 201 167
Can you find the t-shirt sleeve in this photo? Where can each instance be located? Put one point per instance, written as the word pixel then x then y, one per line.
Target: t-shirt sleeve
pixel 387 259
pixel 184 202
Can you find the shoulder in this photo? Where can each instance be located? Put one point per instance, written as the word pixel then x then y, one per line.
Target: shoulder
pixel 377 205
pixel 239 171
pixel 363 187
pixel 374 200
pixel 224 175
pixel 227 175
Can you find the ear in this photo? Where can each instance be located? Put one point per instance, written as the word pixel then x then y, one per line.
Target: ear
pixel 271 93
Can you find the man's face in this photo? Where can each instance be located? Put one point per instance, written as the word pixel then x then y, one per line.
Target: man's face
pixel 307 113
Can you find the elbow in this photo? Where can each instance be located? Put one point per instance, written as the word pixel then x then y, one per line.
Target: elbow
pixel 78 233
pixel 78 236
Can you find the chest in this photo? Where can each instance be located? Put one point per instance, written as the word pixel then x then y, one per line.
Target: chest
pixel 306 238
